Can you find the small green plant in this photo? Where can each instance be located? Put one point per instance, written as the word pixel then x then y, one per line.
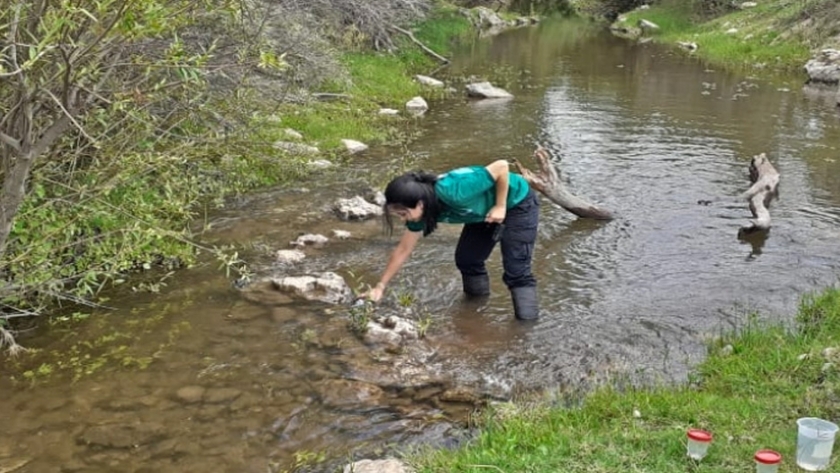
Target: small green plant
pixel 359 317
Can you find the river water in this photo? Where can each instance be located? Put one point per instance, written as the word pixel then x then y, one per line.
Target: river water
pixel 194 377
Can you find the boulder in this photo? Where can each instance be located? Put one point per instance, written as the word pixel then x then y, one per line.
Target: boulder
pixel 487 91
pixel 825 67
pixel 487 18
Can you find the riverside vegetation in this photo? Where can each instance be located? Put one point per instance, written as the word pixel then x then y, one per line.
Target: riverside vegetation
pixel 123 123
pixel 756 381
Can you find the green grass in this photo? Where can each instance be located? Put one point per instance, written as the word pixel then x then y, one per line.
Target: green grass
pixel 378 80
pixel 748 393
pixel 769 36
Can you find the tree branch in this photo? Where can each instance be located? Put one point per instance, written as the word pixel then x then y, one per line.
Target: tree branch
pixel 419 43
pixel 11 142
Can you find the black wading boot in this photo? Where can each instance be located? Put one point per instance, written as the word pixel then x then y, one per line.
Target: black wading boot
pixel 476 286
pixel 525 303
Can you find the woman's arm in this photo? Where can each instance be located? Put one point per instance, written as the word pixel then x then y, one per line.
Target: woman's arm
pixel 398 257
pixel 500 171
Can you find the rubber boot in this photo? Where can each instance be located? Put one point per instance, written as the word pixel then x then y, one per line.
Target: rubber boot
pixel 525 303
pixel 476 286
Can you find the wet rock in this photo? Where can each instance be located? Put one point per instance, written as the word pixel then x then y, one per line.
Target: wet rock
pixel 354 146
pixel 11 465
pixel 341 234
pixel 416 105
pixel 190 394
pixel 487 91
pixel 428 81
pixel 244 402
pixel 221 395
pixel 824 67
pixel 344 393
pixel 377 466
pixel 390 332
pixel 325 287
pixel 289 256
pixel 356 208
pixel 264 292
pixel 121 435
pixel 175 447
pixel 310 239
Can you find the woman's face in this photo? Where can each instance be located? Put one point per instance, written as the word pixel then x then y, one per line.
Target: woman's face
pixel 407 214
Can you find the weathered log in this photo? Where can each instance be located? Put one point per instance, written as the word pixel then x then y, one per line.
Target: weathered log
pixel 547 181
pixel 765 182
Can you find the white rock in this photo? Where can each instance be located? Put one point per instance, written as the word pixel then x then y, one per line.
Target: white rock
pixel 417 105
pixel 310 239
pixel 748 5
pixel 341 234
pixel 825 67
pixel 325 287
pixel 732 31
pixel 289 256
pixel 647 25
pixel 320 163
pixel 377 466
pixel 356 208
pixel 487 90
pixel 388 111
pixel 354 146
pixel 429 81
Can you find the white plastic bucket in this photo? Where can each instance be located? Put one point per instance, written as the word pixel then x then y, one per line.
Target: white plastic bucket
pixel 814 443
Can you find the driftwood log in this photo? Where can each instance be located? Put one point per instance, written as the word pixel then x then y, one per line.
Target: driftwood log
pixel 547 181
pixel 765 182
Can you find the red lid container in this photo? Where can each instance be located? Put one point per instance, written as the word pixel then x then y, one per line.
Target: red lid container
pixel 768 457
pixel 699 435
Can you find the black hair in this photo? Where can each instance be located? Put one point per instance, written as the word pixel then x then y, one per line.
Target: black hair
pixel 406 191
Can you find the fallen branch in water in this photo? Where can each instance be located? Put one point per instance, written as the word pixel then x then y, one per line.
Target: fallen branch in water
pixel 765 182
pixel 419 43
pixel 547 181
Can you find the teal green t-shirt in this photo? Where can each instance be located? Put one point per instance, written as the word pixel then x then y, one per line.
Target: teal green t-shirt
pixel 468 194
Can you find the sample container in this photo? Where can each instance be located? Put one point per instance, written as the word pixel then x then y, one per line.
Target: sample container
pixel 767 461
pixel 814 443
pixel 698 443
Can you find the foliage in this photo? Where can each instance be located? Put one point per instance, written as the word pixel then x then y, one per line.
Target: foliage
pixel 178 107
pixel 748 393
pixel 762 37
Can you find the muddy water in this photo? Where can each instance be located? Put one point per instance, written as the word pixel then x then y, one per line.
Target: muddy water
pixel 196 378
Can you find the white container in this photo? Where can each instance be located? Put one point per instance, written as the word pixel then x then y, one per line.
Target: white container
pixel 814 443
pixel 698 443
pixel 767 461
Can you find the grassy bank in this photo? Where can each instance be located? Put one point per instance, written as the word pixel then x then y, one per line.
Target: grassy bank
pixel 775 34
pixel 748 393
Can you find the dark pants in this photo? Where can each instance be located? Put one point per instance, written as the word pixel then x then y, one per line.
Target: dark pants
pixel 476 244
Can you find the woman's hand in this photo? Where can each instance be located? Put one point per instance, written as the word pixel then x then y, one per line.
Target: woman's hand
pixel 375 293
pixel 496 214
